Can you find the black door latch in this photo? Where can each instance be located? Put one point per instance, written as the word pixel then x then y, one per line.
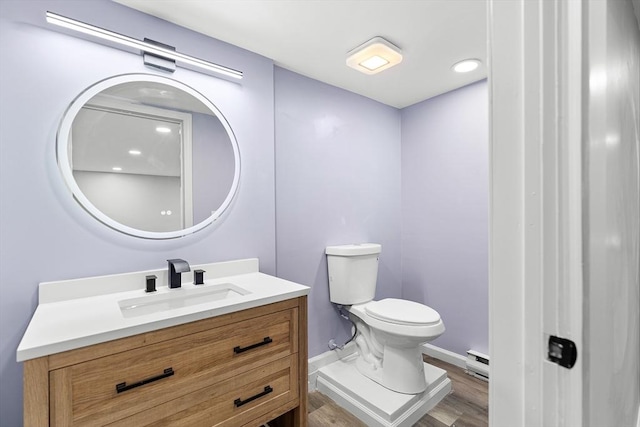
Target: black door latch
pixel 562 351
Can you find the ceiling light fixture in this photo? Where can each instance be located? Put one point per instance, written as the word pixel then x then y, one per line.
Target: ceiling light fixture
pixel 374 56
pixel 466 65
pixel 151 48
pixel 163 129
pixel 374 62
pixel 116 168
pixel 135 152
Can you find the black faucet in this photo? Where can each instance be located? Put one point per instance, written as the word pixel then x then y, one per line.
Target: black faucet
pixel 176 266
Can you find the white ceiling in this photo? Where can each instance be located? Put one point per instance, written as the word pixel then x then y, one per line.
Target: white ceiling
pixel 312 37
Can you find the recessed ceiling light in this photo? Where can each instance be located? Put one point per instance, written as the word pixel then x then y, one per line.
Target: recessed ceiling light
pixel 163 129
pixel 135 152
pixel 466 65
pixel 116 168
pixel 374 56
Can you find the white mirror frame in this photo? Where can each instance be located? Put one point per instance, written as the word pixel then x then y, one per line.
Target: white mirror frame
pixel 63 148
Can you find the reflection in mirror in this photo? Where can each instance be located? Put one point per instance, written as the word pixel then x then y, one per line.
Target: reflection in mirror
pixel 148 156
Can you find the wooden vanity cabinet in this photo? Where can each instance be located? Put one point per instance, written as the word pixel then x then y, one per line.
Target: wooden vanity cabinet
pixel 240 369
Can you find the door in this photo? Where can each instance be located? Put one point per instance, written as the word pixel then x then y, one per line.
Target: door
pixel 611 391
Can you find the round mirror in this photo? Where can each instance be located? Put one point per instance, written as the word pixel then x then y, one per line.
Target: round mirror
pixel 148 156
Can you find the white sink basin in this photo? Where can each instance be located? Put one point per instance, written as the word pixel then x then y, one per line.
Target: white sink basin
pixel 178 298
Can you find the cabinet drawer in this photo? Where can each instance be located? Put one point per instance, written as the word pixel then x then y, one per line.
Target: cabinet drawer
pixel 86 393
pixel 233 402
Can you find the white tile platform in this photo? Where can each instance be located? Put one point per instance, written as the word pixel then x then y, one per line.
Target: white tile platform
pixel 374 404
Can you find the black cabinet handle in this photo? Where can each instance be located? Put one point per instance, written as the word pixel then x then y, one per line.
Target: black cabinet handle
pixel 265 341
pixel 239 402
pixel 124 387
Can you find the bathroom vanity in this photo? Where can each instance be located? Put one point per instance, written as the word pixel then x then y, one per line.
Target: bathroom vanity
pixel 231 352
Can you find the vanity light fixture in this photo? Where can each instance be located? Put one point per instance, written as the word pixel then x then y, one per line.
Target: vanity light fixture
pixel 374 56
pixel 145 46
pixel 466 65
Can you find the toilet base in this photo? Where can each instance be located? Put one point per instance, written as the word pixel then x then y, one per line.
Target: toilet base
pixel 403 370
pixel 375 405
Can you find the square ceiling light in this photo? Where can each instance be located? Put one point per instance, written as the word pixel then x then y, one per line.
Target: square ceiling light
pixel 374 56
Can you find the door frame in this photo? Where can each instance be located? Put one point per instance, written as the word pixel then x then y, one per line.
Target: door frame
pixel 536 78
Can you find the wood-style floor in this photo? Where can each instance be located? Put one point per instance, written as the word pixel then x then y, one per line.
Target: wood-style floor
pixel 466 406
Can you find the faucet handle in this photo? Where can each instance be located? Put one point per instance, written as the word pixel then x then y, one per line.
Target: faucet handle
pixel 198 277
pixel 151 283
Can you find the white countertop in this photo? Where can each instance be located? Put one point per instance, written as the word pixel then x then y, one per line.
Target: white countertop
pixel 68 324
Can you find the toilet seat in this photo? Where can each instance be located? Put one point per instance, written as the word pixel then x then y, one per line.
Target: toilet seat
pixel 402 312
pixel 424 331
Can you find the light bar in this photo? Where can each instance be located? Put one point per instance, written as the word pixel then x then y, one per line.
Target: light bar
pixel 111 36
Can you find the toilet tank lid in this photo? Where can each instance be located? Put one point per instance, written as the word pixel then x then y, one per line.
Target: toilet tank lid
pixel 354 250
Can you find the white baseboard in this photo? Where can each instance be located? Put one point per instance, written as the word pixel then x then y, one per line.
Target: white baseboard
pixel 445 355
pixel 317 362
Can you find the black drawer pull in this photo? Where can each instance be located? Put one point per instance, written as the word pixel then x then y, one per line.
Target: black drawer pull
pixel 239 402
pixel 124 387
pixel 239 349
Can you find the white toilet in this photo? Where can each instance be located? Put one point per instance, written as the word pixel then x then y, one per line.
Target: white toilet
pixel 390 332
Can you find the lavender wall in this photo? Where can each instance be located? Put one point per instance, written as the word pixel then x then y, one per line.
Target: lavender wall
pixel 44 234
pixel 445 213
pixel 337 182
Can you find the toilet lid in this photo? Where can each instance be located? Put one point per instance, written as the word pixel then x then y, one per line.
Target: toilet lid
pixel 402 312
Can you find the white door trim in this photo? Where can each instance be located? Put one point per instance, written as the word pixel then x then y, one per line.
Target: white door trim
pixel 535 286
pixel 506 232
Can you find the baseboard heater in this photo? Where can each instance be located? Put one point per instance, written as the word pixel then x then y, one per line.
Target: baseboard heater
pixel 477 365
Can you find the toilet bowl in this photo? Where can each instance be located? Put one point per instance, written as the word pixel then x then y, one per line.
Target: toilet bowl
pixel 389 332
pixel 390 335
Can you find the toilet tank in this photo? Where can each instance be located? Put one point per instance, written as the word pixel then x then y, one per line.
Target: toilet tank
pixel 353 271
